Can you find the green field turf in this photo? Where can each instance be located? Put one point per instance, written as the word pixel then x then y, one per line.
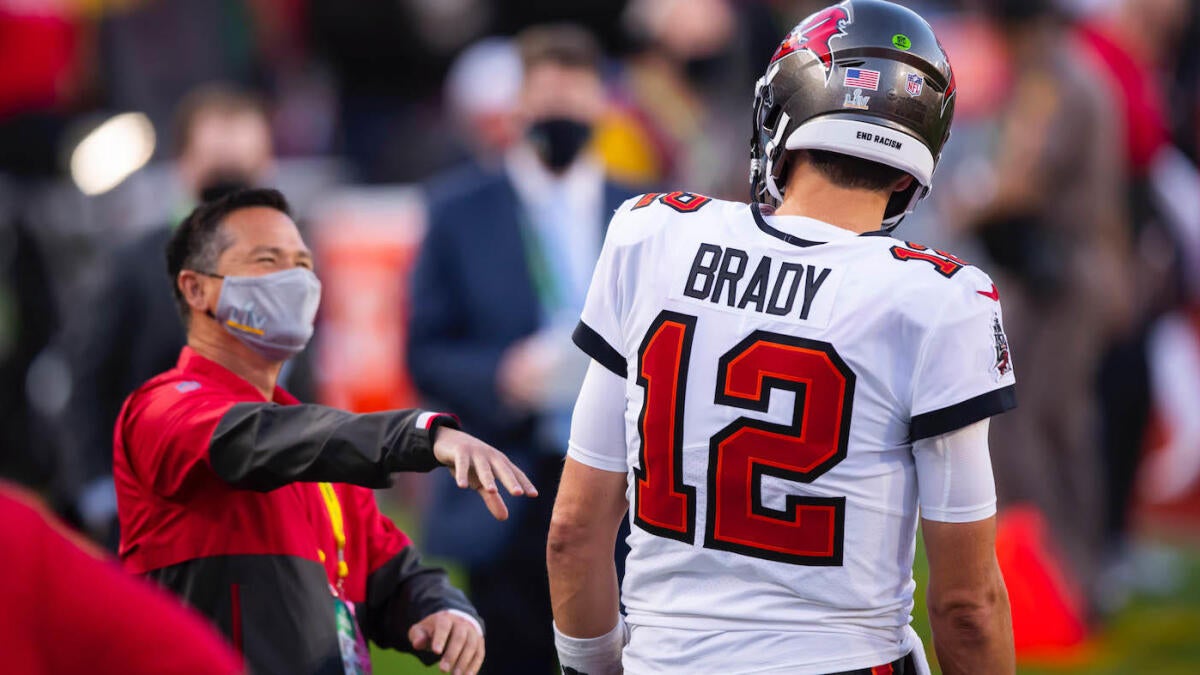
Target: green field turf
pixel 1151 636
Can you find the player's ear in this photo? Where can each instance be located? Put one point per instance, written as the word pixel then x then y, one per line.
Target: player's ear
pixel 903 184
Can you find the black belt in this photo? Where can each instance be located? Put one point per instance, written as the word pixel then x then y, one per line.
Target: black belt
pixel 901 666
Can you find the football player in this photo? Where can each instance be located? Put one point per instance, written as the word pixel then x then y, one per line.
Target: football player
pixel 778 387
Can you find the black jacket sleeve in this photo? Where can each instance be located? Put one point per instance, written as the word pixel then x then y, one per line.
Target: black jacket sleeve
pixel 263 446
pixel 401 593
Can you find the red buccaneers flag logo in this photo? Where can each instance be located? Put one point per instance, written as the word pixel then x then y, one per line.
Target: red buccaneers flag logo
pixel 815 33
pixel 951 90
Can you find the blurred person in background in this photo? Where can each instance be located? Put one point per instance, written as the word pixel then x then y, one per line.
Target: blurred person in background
pixel 388 59
pixel 481 94
pixel 500 276
pixel 67 609
pixel 153 52
pixel 222 143
pixel 45 48
pixel 1045 200
pixel 1131 44
pixel 681 90
pixel 255 508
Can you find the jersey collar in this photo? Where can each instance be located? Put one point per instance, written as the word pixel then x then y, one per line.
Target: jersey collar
pixel 192 364
pixel 800 230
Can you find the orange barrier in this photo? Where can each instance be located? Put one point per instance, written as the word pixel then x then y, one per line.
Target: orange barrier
pixel 1048 609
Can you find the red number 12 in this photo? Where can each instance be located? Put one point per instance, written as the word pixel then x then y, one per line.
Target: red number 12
pixel 809 530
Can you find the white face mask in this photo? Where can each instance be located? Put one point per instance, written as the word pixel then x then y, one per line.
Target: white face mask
pixel 272 314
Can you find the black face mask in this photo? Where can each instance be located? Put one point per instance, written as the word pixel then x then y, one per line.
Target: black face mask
pixel 221 183
pixel 705 70
pixel 558 140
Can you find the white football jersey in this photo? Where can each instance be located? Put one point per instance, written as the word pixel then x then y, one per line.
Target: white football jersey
pixel 777 371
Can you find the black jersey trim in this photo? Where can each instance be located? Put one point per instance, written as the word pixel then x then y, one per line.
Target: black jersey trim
pixel 959 415
pixel 755 209
pixel 598 348
pixel 761 222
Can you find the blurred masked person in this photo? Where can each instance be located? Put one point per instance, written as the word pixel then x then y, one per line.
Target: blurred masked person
pixel 503 270
pixel 254 508
pixel 138 629
pixel 222 141
pixel 1045 200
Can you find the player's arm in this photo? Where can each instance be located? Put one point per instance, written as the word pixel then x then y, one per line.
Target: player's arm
pixel 968 603
pixel 589 632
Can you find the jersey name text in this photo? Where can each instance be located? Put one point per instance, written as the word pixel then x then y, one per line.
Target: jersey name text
pixel 727 275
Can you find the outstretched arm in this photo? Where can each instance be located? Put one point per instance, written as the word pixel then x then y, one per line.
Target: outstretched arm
pixel 263 446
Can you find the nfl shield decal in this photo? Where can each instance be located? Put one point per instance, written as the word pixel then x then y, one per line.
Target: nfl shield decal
pixel 915 85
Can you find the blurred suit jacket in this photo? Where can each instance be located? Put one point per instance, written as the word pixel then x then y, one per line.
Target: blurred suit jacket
pixel 473 298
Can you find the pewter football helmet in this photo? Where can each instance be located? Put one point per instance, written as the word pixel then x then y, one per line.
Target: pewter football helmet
pixel 865 78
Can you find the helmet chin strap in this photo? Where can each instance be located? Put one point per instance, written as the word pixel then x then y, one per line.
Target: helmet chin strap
pixel 890 223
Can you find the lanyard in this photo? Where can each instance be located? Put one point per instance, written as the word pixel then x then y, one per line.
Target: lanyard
pixel 334 507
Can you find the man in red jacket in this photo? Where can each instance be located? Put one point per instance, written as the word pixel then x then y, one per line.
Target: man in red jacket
pixel 254 508
pixel 54 587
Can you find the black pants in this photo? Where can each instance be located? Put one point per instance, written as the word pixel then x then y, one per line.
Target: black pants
pixel 512 592
pixel 905 665
pixel 1125 400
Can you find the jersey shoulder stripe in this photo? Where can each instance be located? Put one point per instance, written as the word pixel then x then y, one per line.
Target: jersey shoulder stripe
pixel 646 216
pixel 594 345
pixel 683 202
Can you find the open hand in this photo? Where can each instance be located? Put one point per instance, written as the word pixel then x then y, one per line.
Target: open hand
pixel 451 636
pixel 478 466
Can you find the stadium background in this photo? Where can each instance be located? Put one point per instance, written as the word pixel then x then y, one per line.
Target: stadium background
pixel 363 115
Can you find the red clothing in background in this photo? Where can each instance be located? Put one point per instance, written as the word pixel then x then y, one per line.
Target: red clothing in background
pixel 66 609
pixel 38 44
pixel 1139 96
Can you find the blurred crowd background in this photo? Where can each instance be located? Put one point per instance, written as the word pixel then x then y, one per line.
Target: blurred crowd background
pixel 1070 177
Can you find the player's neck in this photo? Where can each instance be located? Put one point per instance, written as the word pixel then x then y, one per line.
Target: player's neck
pixel 809 194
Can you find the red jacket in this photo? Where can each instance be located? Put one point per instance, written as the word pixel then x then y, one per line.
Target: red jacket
pixel 66 609
pixel 218 500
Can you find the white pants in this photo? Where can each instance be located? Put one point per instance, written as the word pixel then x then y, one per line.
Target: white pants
pixel 653 650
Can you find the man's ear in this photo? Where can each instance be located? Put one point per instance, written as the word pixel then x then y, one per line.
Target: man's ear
pixel 903 184
pixel 192 286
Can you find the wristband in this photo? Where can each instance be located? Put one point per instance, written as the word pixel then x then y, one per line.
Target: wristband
pixel 432 421
pixel 593 656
